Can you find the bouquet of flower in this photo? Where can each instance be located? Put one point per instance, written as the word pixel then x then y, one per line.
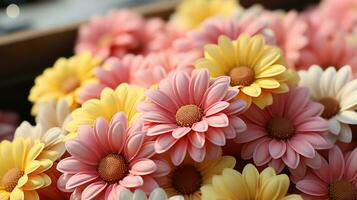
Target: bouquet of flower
pixel 218 103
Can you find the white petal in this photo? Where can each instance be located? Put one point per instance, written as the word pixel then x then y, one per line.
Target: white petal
pixel 343 75
pixel 326 81
pixel 346 134
pixel 334 126
pixel 347 117
pixel 158 194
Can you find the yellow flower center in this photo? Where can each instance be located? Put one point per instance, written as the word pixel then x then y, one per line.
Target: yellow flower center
pixel 70 84
pixel 187 115
pixel 242 75
pixel 113 168
pixel 331 107
pixel 186 179
pixel 342 190
pixel 105 40
pixel 280 128
pixel 10 179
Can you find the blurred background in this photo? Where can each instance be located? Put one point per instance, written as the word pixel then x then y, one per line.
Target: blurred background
pixel 18 15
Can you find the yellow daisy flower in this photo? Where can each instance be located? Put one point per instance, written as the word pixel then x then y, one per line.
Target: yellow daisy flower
pixel 53 139
pixel 250 185
pixel 187 178
pixel 22 173
pixel 64 79
pixel 257 69
pixel 191 13
pixel 124 98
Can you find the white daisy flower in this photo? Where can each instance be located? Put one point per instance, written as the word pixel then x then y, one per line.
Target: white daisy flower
pixel 157 194
pixel 338 93
pixel 54 114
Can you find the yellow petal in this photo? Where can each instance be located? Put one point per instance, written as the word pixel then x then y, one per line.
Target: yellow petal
pixel 35 182
pixel 269 57
pixel 45 165
pixel 255 49
pixel 214 70
pixel 209 193
pixel 34 152
pixel 275 188
pixel 241 49
pixel 266 174
pixel 293 197
pixel 281 89
pixel 19 152
pixel 214 53
pixel 17 194
pixel 234 184
pixel 253 90
pixel 267 83
pixel 251 178
pixel 22 181
pixel 273 70
pixel 50 155
pixel 224 162
pixel 265 99
pixel 4 195
pixel 227 49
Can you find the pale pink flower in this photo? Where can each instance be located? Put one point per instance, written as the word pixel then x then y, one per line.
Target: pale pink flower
pixel 108 157
pixel 287 133
pixel 290 34
pixel 335 179
pixel 137 70
pixel 122 32
pixel 8 124
pixel 214 27
pixel 327 47
pixel 192 114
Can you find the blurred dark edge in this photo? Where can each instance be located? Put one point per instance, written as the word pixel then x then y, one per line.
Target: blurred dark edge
pixel 25 55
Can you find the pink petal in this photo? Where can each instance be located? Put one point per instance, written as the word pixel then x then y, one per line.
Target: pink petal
pixel 179 132
pixel 142 166
pixel 147 150
pixel 198 86
pixel 257 116
pixel 238 124
pixel 312 187
pixel 82 152
pixel 277 164
pixel 217 91
pixel 80 179
pixel 149 185
pixel 236 107
pixel 101 131
pixel 297 101
pixel 197 154
pixel 197 139
pixel 87 137
pixel 261 154
pixel 351 166
pixel 314 163
pixel 161 129
pixel 216 108
pixel 324 171
pixel 302 147
pixel 182 85
pixel 200 126
pixel 253 132
pixel 132 181
pixel 337 163
pixel 161 99
pixel 163 168
pixel 133 146
pixel 248 148
pixel 157 117
pixel 72 166
pixel 121 118
pixel 164 142
pixel 277 148
pixel 213 151
pixel 313 124
pixel 91 191
pixel 220 120
pixel 316 140
pixel 229 132
pixel 216 136
pixel 291 158
pixel 300 171
pixel 117 137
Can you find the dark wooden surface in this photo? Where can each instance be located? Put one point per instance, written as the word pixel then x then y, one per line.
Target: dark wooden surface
pixel 25 55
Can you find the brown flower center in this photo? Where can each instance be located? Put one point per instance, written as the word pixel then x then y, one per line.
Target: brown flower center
pixel 342 190
pixel 187 115
pixel 242 75
pixel 113 168
pixel 186 179
pixel 10 179
pixel 280 128
pixel 331 107
pixel 70 84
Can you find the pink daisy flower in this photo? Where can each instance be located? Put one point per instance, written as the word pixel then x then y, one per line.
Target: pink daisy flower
pixel 114 34
pixel 138 70
pixel 214 27
pixel 290 33
pixel 287 133
pixel 192 114
pixel 327 49
pixel 112 73
pixel 121 32
pixel 335 180
pixel 8 124
pixel 108 157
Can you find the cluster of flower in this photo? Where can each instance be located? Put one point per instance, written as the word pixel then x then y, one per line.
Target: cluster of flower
pixel 218 103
